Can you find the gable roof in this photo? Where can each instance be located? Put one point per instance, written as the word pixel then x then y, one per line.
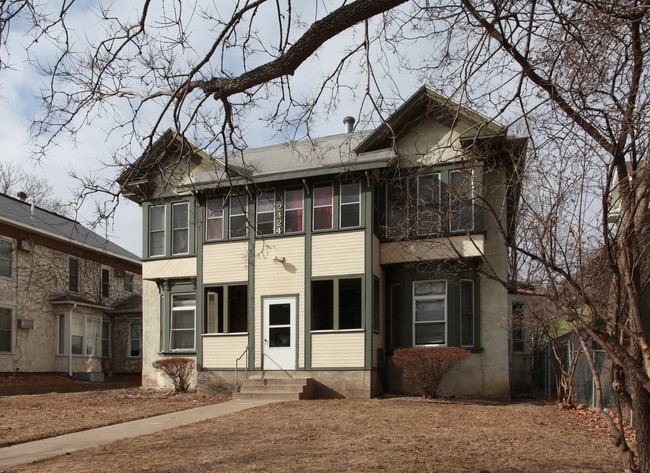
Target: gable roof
pixel 19 213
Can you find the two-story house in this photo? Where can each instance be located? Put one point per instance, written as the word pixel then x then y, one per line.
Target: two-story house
pixel 70 300
pixel 318 258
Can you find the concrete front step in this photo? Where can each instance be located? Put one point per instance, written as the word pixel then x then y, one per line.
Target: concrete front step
pixel 283 389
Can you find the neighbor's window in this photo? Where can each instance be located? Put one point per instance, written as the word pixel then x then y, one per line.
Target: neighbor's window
pixel 180 228
pixel 60 324
pixel 293 207
pixel 323 205
pixel 467 313
pixel 92 336
pixel 517 327
pixel 350 204
pixel 266 213
pixel 461 208
pixel 128 283
pixel 235 319
pixel 135 339
pixel 77 334
pixel 106 282
pixel 6 329
pixel 182 322
pixel 397 208
pixel 214 219
pixel 157 230
pixel 106 338
pixel 336 304
pixel 428 204
pixel 73 274
pixel 430 312
pixel 395 317
pixel 238 216
pixel 6 258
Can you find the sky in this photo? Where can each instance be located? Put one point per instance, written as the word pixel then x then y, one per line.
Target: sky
pixel 20 86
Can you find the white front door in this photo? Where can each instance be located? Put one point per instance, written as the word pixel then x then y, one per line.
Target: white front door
pixel 279 332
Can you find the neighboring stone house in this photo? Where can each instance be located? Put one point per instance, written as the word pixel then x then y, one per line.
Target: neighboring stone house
pixel 320 257
pixel 70 300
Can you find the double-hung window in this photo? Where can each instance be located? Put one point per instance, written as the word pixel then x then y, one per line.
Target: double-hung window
pixel 467 313
pixel 180 228
pixel 6 330
pixel 106 338
pixel 92 336
pixel 461 208
pixel 73 274
pixel 106 282
pixel 397 208
pixel 428 204
pixel 350 204
pixel 336 304
pixel 128 283
pixel 238 216
pixel 214 219
pixel 6 259
pixel 323 205
pixel 430 313
pixel 293 209
pixel 77 334
pixel 266 213
pixel 182 324
pixel 157 230
pixel 135 340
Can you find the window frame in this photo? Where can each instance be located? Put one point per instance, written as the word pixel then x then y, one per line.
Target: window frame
pixel 105 323
pixel 70 275
pixel 473 312
pixel 12 329
pixel 223 303
pixel 158 231
pixel 175 230
pixel 450 193
pixel 398 231
pixel 436 206
pixel 171 322
pixel 357 203
pixel 258 213
pixel 336 303
pixel 105 282
pixel 445 321
pixel 300 209
pixel 129 347
pixel 208 218
pixel 11 259
pixel 330 185
pixel 128 286
pixel 231 215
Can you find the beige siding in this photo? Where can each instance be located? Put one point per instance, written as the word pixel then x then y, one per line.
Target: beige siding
pixel 166 268
pixel 222 351
pixel 225 262
pixel 432 249
pixel 273 278
pixel 337 350
pixel 334 254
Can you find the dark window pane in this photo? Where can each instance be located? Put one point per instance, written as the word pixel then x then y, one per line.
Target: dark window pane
pixel 293 210
pixel 157 244
pixel 395 319
pixel 430 311
pixel 106 282
pixel 238 226
pixel 350 204
pixel 183 340
pixel 349 303
pixel 429 334
pixel 280 337
pixel 265 223
pixel 397 209
pixel 467 313
pixel 238 308
pixel 293 221
pixel 73 275
pixel 214 311
pixel 322 298
pixel 214 218
pixel 279 314
pixel 323 218
pixel 350 215
pixel 157 218
pixel 461 210
pixel 428 204
pixel 238 219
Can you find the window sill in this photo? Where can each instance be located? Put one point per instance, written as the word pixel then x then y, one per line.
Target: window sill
pixel 412 236
pixel 217 335
pixel 164 257
pixel 343 330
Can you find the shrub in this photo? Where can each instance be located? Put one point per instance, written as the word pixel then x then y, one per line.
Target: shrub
pixel 178 370
pixel 425 367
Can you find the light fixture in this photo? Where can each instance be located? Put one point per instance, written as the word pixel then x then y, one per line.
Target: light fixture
pixel 281 259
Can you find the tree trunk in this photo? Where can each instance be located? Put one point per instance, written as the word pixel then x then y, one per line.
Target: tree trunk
pixel 641 419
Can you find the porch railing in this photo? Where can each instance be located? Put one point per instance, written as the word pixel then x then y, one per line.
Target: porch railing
pixel 237 369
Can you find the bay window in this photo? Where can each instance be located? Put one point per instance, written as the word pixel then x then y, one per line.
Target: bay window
pixel 183 311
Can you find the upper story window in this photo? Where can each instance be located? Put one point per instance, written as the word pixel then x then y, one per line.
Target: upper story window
pixel 6 259
pixel 293 209
pixel 265 220
pixel 428 204
pixel 157 230
pixel 238 215
pixel 350 204
pixel 214 219
pixel 180 228
pixel 397 208
pixel 430 313
pixel 323 206
pixel 73 274
pixel 128 283
pixel 106 282
pixel 461 208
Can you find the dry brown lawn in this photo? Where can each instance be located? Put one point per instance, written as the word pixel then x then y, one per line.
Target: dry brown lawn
pixel 392 435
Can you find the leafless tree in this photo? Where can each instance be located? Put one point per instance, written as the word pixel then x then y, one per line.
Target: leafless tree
pixel 14 180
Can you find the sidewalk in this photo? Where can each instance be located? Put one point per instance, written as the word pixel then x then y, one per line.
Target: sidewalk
pixel 39 449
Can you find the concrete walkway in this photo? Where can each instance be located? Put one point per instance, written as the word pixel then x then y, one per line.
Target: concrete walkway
pixel 39 449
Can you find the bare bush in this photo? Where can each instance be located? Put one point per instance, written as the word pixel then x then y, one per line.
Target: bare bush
pixel 178 370
pixel 425 367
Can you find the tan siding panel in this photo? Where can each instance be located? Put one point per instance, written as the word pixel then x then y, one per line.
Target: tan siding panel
pixel 273 278
pixel 225 262
pixel 337 350
pixel 335 254
pixel 166 268
pixel 434 249
pixel 221 352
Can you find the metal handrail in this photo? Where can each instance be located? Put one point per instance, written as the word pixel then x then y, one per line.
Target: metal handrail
pixel 237 369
